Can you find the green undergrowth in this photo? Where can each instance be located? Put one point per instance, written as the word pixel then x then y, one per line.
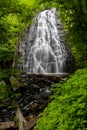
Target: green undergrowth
pixel 68 109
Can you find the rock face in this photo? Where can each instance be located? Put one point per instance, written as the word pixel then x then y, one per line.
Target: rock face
pixel 32 96
pixel 42 48
pixel 33 93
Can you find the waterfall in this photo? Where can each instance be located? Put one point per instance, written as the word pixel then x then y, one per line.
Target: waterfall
pixel 42 49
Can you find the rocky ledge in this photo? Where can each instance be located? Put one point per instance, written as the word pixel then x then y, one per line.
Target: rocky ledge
pixel 33 95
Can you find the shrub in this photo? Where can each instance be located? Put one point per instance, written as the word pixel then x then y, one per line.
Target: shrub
pixel 68 109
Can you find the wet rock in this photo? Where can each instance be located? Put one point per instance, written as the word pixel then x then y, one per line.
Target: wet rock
pixel 15 83
pixel 32 97
pixel 42 107
pixel 33 106
pixel 45 96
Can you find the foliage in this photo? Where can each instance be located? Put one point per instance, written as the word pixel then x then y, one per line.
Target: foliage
pixel 15 16
pixel 6 94
pixel 3 88
pixel 68 109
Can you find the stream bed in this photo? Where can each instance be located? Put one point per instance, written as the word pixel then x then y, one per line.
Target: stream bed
pixel 32 97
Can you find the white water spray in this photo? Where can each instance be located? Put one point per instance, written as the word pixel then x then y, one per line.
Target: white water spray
pixel 47 54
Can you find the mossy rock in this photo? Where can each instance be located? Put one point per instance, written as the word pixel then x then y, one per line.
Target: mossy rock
pixel 15 83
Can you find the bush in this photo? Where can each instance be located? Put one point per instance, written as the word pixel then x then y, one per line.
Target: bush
pixel 68 110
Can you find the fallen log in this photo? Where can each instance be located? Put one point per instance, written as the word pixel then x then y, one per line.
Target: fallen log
pixel 6 125
pixel 22 122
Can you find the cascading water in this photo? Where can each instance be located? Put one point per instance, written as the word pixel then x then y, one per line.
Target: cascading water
pixel 46 53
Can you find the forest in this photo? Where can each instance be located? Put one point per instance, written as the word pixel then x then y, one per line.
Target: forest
pixel 67 109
